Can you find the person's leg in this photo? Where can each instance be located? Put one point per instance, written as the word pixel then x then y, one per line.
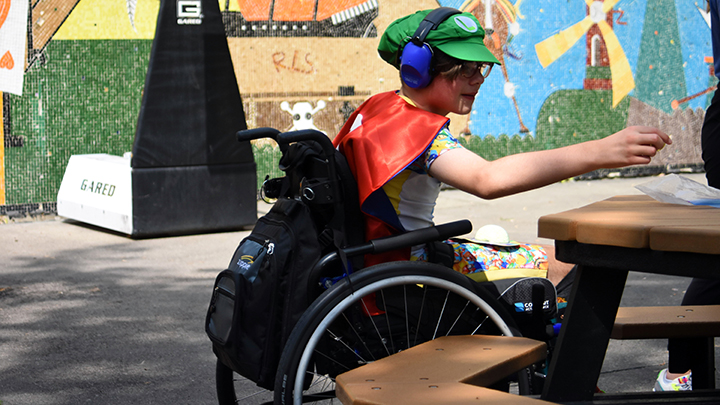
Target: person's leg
pixel 557 270
pixel 517 260
pixel 710 142
pixel 542 256
pixel 700 291
pixel 680 351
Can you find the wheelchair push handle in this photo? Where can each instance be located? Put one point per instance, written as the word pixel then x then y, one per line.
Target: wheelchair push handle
pixel 257 133
pixel 285 138
pixel 412 238
pixel 308 135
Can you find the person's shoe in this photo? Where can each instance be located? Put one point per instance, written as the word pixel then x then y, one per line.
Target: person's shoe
pixel 682 383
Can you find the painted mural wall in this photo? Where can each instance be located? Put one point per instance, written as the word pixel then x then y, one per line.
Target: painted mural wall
pixel 573 70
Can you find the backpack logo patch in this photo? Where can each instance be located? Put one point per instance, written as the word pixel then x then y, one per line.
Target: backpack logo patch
pixel 245 262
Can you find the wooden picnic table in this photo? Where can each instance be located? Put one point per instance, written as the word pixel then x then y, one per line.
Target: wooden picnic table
pixel 607 239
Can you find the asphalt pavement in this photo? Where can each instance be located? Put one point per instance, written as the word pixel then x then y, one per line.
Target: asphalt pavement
pixel 92 316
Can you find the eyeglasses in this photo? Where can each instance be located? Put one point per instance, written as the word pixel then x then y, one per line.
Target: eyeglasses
pixel 468 69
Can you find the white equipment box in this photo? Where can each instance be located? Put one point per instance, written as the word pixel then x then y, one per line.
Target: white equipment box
pixel 97 189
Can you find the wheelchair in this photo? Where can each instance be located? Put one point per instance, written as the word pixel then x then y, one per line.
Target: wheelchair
pixel 362 314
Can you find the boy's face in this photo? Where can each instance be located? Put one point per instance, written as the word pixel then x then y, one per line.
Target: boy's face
pixel 445 95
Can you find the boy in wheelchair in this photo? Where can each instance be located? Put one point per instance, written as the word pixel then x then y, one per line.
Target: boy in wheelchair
pixel 400 150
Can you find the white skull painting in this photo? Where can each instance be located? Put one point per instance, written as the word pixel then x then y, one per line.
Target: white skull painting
pixel 302 114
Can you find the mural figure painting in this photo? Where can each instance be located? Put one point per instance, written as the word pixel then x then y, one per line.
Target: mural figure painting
pixel 500 19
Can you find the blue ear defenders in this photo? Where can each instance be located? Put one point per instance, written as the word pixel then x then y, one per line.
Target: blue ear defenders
pixel 417 56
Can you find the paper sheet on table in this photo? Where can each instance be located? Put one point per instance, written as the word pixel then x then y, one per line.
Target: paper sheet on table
pixel 676 189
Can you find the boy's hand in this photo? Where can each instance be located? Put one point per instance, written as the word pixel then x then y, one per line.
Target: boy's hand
pixel 633 146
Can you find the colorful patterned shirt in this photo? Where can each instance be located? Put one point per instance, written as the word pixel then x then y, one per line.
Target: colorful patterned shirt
pixel 413 191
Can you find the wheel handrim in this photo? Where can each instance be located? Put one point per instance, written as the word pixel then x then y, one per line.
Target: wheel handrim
pixel 353 297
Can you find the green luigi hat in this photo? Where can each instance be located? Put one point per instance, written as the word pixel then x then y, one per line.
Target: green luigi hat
pixel 459 36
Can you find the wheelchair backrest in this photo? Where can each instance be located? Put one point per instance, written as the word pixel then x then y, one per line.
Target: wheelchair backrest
pixel 326 185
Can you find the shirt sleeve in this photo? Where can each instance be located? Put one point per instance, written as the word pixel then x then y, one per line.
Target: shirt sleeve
pixel 444 141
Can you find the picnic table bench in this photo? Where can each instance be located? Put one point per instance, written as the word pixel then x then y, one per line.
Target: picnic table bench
pixel 448 370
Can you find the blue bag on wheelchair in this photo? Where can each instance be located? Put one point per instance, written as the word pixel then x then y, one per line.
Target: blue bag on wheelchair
pixel 257 301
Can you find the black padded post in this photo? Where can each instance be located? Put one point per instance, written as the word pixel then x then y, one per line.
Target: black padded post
pixel 190 174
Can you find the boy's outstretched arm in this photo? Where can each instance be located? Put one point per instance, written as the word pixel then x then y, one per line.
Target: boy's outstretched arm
pixel 513 174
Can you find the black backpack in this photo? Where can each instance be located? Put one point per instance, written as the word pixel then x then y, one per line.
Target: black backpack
pixel 258 299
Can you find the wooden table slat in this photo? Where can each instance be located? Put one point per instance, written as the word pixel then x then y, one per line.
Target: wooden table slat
pixel 695 239
pixel 638 222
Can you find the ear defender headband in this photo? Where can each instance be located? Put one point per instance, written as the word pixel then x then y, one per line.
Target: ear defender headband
pixel 417 55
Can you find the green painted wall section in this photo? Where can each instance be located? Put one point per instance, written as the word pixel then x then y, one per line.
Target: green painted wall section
pixel 571 116
pixel 85 99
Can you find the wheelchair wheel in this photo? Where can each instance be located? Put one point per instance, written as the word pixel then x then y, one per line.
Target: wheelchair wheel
pixel 377 312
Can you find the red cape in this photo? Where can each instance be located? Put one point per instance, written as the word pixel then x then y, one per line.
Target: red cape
pixel 379 140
